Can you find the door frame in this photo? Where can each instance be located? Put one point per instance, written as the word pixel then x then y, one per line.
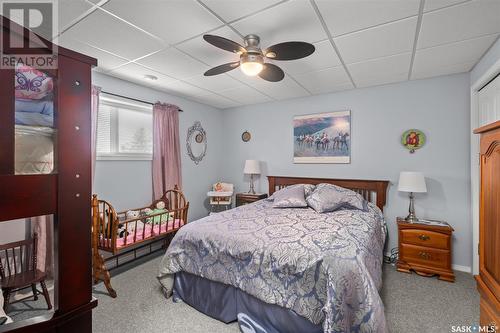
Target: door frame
pixel 474 162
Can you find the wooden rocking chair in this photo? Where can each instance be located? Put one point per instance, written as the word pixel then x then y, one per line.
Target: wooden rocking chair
pixel 18 270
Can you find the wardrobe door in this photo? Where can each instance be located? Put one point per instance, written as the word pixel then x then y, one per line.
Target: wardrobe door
pixel 489 268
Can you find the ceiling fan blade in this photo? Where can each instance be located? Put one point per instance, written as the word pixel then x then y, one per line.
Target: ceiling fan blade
pixel 224 43
pixel 272 73
pixel 222 68
pixel 289 51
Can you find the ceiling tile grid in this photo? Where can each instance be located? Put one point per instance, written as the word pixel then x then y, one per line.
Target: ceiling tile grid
pixel 358 43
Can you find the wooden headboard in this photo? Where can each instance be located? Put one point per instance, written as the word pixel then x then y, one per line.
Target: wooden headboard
pixel 372 190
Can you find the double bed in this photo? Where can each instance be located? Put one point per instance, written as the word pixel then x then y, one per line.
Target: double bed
pixel 285 269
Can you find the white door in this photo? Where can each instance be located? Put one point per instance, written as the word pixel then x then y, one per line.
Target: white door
pixel 489 102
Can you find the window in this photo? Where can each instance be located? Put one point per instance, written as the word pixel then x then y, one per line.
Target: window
pixel 124 129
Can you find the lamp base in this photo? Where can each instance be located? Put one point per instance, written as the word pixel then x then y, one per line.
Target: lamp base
pixel 252 189
pixel 411 218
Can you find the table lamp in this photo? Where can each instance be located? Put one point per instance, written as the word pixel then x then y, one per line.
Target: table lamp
pixel 412 182
pixel 252 167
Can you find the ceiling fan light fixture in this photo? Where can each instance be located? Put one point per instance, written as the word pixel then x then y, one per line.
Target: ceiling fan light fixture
pixel 251 68
pixel 251 64
pixel 271 54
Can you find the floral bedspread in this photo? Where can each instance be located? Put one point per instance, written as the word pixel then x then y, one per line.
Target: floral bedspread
pixel 326 267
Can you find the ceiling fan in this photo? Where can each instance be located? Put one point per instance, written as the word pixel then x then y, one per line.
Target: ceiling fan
pixel 252 57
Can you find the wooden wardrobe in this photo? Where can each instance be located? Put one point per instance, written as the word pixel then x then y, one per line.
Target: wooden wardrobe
pixel 63 192
pixel 488 280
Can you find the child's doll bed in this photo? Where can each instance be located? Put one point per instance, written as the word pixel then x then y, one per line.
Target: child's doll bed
pixel 115 232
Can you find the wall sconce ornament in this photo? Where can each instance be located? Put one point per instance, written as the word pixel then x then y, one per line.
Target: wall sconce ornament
pixel 196 142
pixel 413 139
pixel 246 136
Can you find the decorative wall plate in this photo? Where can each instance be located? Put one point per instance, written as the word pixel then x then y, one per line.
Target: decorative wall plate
pixel 246 136
pixel 196 142
pixel 413 139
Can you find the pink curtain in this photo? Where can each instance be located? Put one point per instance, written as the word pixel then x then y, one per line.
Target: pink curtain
pixel 94 111
pixel 166 149
pixel 43 226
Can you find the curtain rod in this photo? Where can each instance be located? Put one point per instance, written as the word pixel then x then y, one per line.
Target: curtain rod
pixel 133 99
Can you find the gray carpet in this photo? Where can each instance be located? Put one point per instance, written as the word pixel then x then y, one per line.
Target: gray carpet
pixel 412 304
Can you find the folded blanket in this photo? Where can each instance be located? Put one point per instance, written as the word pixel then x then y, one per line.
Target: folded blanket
pixel 34 112
pixel 34 119
pixel 32 83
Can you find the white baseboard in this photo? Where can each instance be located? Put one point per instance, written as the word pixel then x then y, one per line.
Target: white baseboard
pixel 459 268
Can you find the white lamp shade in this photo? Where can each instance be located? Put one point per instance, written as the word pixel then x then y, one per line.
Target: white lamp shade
pixel 252 167
pixel 412 182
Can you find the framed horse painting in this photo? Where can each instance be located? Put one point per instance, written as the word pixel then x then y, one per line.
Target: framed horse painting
pixel 322 138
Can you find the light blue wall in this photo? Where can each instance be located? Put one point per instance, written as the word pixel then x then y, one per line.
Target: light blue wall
pixel 439 107
pixel 490 58
pixel 128 184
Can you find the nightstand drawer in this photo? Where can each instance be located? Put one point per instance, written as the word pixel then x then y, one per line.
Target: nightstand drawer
pixel 425 238
pixel 424 255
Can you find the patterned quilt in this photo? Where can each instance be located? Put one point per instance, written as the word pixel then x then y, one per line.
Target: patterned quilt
pixel 327 267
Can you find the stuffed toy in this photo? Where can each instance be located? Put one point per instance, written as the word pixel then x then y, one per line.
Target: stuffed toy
pixel 132 214
pixel 160 208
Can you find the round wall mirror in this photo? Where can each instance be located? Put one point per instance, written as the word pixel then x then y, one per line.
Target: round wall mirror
pixel 196 142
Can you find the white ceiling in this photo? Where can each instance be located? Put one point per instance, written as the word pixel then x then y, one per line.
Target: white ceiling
pixel 359 43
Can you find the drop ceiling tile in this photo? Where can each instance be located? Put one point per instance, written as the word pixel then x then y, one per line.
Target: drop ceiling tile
pixel 183 89
pixel 469 20
pixel 438 70
pixel 344 16
pixel 174 63
pixel 113 35
pixel 213 83
pixel 208 53
pixel 381 41
pixel 294 20
pixel 135 73
pixel 215 101
pixel 324 81
pixel 381 71
pixel 231 10
pixel 287 88
pixel 450 56
pixel 105 61
pixel 172 21
pixel 245 95
pixel 430 5
pixel 69 10
pixel 323 57
pixel 387 79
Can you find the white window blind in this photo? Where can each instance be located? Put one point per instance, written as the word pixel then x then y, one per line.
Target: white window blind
pixel 124 130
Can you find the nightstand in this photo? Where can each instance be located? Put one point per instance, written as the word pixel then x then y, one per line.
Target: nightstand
pixel 425 249
pixel 246 198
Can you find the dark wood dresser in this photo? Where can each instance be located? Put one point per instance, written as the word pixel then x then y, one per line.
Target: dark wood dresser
pixel 488 280
pixel 246 198
pixel 425 249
